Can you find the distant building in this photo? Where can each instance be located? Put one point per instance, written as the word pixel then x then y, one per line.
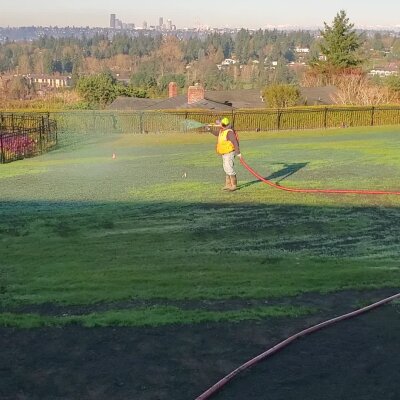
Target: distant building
pixel 303 50
pixel 228 61
pixel 144 25
pixel 116 23
pixel 49 81
pixel 161 22
pixel 383 72
pixel 112 21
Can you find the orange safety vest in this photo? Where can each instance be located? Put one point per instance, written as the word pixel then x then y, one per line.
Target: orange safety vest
pixel 224 146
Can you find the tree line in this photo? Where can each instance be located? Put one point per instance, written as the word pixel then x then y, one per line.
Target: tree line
pixel 146 64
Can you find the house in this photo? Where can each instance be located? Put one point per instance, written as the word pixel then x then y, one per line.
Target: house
pixel 217 100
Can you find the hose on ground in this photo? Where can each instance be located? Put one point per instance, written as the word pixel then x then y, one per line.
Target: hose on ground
pixel 212 390
pixel 331 191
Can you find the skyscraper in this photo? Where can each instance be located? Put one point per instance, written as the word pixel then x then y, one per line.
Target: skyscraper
pixel 161 22
pixel 112 21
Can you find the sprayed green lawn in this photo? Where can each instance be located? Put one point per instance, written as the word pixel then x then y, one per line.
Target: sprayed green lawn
pixel 78 227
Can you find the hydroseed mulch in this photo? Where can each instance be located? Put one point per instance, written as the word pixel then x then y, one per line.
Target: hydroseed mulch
pixel 145 243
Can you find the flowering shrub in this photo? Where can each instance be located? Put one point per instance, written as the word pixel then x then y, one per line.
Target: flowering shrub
pixel 17 146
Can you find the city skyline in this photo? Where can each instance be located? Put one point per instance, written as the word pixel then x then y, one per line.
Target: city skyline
pixel 117 23
pixel 251 14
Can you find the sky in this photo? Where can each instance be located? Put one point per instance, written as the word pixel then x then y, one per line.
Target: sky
pixel 190 13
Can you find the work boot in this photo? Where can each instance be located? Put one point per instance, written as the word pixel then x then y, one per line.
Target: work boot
pixel 233 179
pixel 227 183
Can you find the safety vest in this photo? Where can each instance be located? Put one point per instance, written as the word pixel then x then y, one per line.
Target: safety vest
pixel 224 146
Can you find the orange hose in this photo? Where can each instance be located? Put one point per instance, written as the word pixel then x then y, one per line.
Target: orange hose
pixel 207 394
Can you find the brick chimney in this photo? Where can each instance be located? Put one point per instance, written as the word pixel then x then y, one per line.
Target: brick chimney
pixel 195 93
pixel 172 89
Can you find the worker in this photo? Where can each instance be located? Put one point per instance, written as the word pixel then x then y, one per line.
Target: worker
pixel 228 148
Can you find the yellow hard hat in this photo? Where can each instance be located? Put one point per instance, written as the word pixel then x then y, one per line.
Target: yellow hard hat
pixel 225 121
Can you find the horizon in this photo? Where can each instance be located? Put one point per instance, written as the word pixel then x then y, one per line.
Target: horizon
pixel 269 27
pixel 96 14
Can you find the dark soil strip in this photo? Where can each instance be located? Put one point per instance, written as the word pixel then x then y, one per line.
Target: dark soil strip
pixel 357 360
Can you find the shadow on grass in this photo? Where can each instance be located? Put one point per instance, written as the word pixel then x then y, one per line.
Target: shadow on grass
pixel 34 232
pixel 161 248
pixel 286 171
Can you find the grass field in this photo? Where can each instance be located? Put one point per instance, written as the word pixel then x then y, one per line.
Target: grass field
pixel 148 240
pixel 80 228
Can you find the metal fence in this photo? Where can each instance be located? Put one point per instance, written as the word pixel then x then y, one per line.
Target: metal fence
pixel 243 120
pixel 23 136
pixel 108 122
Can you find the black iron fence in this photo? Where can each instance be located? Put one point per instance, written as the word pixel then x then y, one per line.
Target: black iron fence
pixel 296 118
pixel 243 120
pixel 23 136
pixel 44 126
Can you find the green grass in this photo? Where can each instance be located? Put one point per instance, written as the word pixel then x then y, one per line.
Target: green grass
pixel 153 316
pixel 79 228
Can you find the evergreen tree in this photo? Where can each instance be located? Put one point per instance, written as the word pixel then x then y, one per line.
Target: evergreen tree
pixel 340 43
pixel 242 46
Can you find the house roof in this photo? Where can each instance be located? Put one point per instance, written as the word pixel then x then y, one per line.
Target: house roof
pixel 221 100
pixel 131 103
pixel 172 103
pixel 180 102
pixel 250 98
pixel 48 76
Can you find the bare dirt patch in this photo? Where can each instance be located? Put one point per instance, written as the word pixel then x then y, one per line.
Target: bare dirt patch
pixel 356 359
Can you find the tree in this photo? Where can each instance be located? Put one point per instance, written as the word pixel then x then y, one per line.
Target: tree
pixel 6 58
pixel 164 81
pixel 146 76
pixel 130 91
pixel 19 88
pixel 281 96
pixel 191 48
pixel 340 43
pixel 24 64
pixel 282 74
pixel 377 43
pixel 98 89
pixel 242 46
pixel 170 56
pixel 396 48
pixel 358 90
pixel 393 83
